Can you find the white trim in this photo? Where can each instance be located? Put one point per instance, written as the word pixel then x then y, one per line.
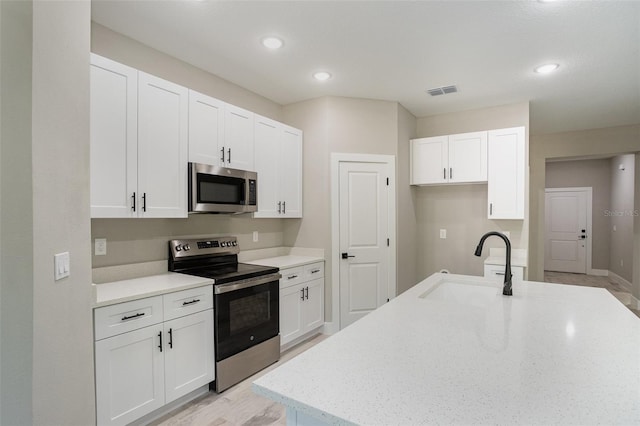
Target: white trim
pixel 618 279
pixel 598 272
pixel 589 239
pixel 336 159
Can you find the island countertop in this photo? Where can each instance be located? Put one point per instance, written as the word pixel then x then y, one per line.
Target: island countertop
pixel 549 354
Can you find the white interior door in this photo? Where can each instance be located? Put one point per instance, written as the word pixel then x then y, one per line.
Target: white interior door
pixel 566 222
pixel 364 229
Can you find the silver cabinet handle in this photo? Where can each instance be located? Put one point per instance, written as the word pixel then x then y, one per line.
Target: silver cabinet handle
pixel 222 158
pixel 306 292
pixel 450 172
pixel 229 156
pixel 302 294
pixel 284 207
pixel 290 277
pixel 315 271
pixel 490 209
pixel 279 207
pixel 444 173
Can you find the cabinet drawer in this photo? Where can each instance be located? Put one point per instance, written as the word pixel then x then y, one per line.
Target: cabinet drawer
pixel 123 317
pixel 291 276
pixel 313 271
pixel 187 302
pixel 497 272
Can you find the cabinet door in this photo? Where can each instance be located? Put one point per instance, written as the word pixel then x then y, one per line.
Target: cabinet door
pixel 429 160
pixel 291 302
pixel 189 354
pixel 162 147
pixel 113 138
pixel 129 376
pixel 267 164
pixel 291 172
pixel 206 129
pixel 506 175
pixel 468 157
pixel 239 144
pixel 313 306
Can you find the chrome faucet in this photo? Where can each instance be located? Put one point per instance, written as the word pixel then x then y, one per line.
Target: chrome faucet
pixel 506 290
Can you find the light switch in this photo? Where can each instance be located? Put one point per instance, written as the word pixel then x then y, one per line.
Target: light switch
pixel 100 248
pixel 62 265
pixel 443 234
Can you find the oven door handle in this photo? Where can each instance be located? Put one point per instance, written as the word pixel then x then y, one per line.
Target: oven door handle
pixel 250 282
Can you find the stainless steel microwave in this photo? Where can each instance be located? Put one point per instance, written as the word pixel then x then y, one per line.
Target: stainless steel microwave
pixel 214 189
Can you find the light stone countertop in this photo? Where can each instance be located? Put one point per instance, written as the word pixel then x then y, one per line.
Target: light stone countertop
pixel 549 354
pixel 138 288
pixel 287 261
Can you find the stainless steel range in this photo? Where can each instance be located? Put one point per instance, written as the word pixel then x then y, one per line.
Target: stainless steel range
pixel 246 305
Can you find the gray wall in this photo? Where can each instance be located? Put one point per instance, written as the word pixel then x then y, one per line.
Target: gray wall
pixel 16 214
pixel 623 211
pixel 141 240
pixel 47 359
pixel 462 209
pixel 608 141
pixel 407 247
pixel 597 175
pixel 342 125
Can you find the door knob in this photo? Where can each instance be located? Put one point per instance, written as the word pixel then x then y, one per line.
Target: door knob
pixel 346 255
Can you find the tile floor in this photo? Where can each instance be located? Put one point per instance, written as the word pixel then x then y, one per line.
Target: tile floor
pixel 237 405
pixel 619 291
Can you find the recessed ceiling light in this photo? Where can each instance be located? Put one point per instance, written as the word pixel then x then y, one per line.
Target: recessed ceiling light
pixel 322 76
pixel 272 42
pixel 546 68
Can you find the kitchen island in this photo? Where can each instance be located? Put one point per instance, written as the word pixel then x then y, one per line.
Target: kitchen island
pixel 453 350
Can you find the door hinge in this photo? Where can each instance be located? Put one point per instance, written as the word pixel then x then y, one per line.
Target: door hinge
pixel 387 181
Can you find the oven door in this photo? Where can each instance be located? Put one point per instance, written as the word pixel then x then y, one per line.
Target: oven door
pixel 215 189
pixel 246 313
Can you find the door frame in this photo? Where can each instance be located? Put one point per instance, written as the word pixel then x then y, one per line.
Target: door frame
pixel 336 159
pixel 589 194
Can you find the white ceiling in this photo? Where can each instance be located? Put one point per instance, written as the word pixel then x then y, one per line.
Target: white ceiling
pixel 395 50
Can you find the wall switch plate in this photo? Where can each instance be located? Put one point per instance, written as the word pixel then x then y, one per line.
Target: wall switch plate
pixel 100 248
pixel 61 262
pixel 255 236
pixel 443 234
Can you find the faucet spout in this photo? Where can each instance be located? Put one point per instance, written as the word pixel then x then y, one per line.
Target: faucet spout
pixel 506 290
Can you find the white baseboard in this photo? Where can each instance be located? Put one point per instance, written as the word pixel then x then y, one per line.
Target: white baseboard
pixel 618 279
pixel 634 303
pixel 599 272
pixel 330 328
pixel 166 409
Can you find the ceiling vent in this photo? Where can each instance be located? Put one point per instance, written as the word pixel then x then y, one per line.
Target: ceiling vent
pixel 437 91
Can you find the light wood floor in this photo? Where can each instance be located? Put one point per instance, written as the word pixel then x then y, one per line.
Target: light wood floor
pixel 237 405
pixel 619 291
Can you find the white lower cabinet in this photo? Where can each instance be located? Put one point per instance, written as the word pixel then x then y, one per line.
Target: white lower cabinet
pixel 301 301
pixel 497 272
pixel 141 370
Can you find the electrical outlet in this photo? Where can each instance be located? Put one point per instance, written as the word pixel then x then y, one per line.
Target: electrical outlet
pixel 255 236
pixel 100 248
pixel 443 234
pixel 614 228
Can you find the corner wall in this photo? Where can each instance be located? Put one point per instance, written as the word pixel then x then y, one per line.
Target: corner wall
pixel 63 387
pixel 607 141
pixel 462 209
pixel 622 212
pixel 16 215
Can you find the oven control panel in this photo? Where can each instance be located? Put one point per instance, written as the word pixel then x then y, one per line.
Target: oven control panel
pixel 201 246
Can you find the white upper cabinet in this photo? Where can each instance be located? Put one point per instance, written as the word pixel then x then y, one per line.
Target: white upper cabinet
pixel 238 138
pixel 113 138
pixel 468 157
pixel 162 147
pixel 206 129
pixel 506 175
pixel 460 158
pixel 278 161
pixel 138 143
